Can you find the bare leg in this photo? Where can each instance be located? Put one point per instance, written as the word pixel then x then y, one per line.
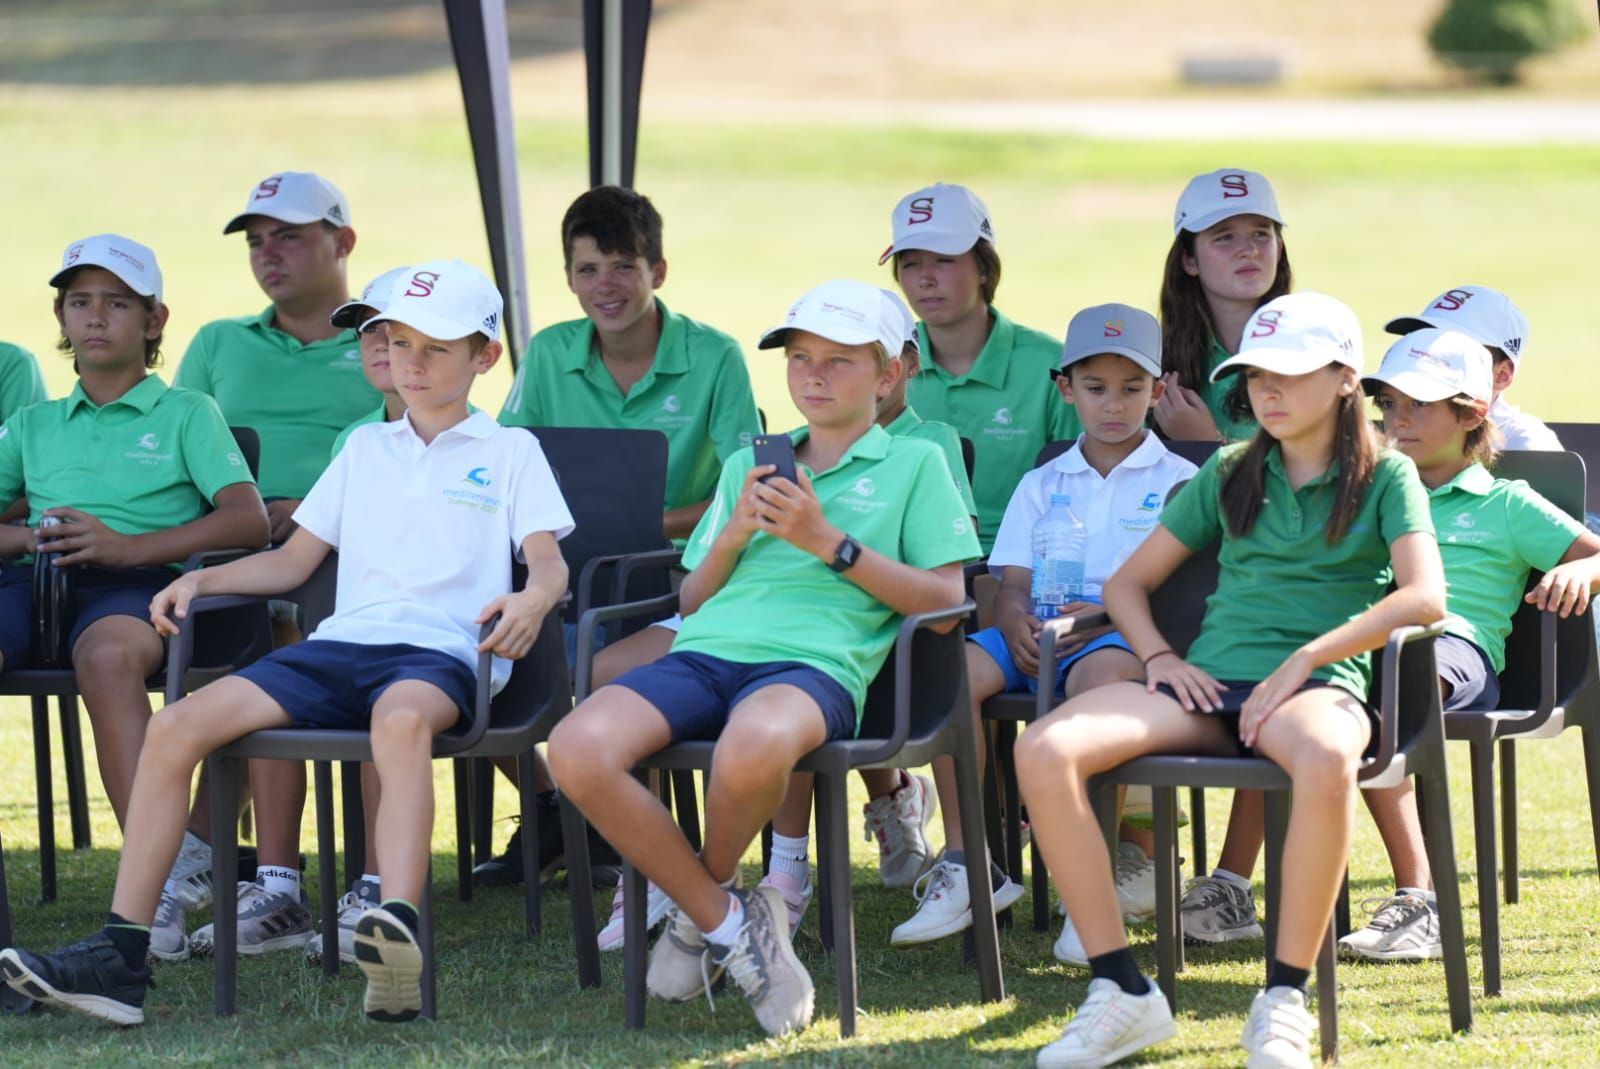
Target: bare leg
pixel 624 655
pixel 1099 669
pixel 881 781
pixel 371 798
pixel 278 789
pixel 112 658
pixel 405 720
pixel 984 681
pixel 1247 829
pixel 793 817
pixel 1394 811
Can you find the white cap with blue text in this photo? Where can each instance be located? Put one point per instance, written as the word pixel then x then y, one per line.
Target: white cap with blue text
pixel 1208 199
pixel 445 299
pixel 942 218
pixel 130 261
pixel 1295 335
pixel 1486 315
pixel 1114 328
pixel 843 311
pixel 374 299
pixel 294 197
pixel 900 318
pixel 1432 365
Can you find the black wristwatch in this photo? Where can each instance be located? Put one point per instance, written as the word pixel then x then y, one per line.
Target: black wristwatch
pixel 845 557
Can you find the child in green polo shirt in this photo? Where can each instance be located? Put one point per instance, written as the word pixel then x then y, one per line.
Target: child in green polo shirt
pixel 1313 522
pixel 137 477
pixel 789 611
pixel 21 384
pixel 981 372
pixel 1434 391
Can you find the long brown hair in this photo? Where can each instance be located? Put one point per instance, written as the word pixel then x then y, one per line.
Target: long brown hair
pixel 1355 450
pixel 1483 442
pixel 1186 324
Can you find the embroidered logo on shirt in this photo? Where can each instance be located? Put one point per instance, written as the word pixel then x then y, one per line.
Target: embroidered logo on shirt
pixel 863 487
pixel 670 403
pixel 1152 502
pixel 149 441
pixel 146 450
pixel 1002 416
pixel 959 526
pixel 478 477
pixel 352 354
pixel 1464 519
pixel 236 460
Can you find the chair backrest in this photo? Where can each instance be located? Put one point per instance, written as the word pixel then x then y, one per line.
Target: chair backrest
pixel 969 456
pixel 1584 440
pixel 615 484
pixel 249 443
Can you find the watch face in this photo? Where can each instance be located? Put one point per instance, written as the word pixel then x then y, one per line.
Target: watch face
pixel 846 554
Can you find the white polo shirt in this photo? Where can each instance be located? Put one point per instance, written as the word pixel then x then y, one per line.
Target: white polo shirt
pixel 1520 430
pixel 1118 511
pixel 426 532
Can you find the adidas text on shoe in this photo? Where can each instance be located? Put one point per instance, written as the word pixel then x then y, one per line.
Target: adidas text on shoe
pixel 1217 911
pixel 1277 1034
pixel 388 954
pixel 89 977
pixel 1110 1025
pixel 762 964
pixel 1402 928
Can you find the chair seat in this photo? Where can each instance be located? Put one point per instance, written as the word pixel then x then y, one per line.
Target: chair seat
pixel 1489 726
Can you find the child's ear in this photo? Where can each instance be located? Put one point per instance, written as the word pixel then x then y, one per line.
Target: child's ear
pixel 1504 372
pixel 487 357
pixel 1063 385
pixel 1472 418
pixel 894 369
pixel 658 274
pixel 1158 386
pixel 1349 381
pixel 156 321
pixel 344 241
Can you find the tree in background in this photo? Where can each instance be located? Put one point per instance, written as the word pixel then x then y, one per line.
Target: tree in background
pixel 1491 39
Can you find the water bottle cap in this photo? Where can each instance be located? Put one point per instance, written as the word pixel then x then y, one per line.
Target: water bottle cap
pixel 1060 499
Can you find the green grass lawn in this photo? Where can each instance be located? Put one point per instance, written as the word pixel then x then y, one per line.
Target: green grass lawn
pixel 505 1000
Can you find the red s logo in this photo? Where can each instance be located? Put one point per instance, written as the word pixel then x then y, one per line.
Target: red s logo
pixel 74 252
pixel 1113 328
pixel 1233 185
pixel 268 187
pixel 1452 300
pixel 921 211
pixel 422 284
pixel 1266 324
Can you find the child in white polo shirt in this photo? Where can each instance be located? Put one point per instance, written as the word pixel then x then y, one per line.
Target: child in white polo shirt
pixel 425 512
pixel 1117 476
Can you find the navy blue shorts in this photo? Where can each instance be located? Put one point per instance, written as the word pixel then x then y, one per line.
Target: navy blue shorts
pixel 1236 692
pixel 97 593
pixel 695 692
pixel 1473 682
pixel 326 684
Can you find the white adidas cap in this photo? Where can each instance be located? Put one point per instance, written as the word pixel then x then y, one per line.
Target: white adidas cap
pixel 1114 328
pixel 295 197
pixel 1433 364
pixel 900 318
pixel 843 311
pixel 444 299
pixel 1208 199
pixel 374 298
pixel 1487 316
pixel 130 261
pixel 941 218
pixel 1295 335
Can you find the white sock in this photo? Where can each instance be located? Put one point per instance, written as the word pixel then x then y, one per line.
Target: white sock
pixel 792 857
pixel 725 933
pixel 279 880
pixel 1231 877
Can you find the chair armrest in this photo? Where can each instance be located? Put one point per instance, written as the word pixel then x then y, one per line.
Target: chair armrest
pixel 625 564
pixel 589 624
pixel 1389 699
pixel 482 697
pixel 180 647
pixel 1053 632
pixel 208 558
pixel 903 647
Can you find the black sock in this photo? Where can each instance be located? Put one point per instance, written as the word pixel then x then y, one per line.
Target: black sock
pixel 1120 966
pixel 131 940
pixel 1281 975
pixel 404 912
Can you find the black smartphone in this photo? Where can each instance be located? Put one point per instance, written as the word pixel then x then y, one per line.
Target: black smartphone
pixel 776 449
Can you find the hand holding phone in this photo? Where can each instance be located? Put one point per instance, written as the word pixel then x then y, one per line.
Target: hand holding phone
pixel 777 450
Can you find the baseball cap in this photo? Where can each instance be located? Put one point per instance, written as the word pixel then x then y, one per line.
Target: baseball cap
pixel 940 218
pixel 1433 364
pixel 373 300
pixel 843 311
pixel 1296 334
pixel 900 318
pixel 130 261
pixel 1114 328
pixel 1487 316
pixel 294 197
pixel 445 299
pixel 1208 199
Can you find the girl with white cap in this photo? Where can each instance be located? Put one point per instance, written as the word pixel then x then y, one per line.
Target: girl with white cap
pixel 1313 520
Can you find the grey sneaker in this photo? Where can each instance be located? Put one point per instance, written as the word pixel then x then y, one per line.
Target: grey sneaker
pixel 1277 1035
pixel 266 922
pixel 356 901
pixel 168 940
pixel 899 821
pixel 1402 928
pixel 1217 911
pixel 191 874
pixel 675 973
pixel 762 963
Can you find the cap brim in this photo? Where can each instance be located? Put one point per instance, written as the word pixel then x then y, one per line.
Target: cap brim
pixel 60 276
pixel 1413 384
pixel 1146 364
pixel 432 325
pixel 1411 324
pixel 951 247
pixel 1278 361
pixel 1211 219
pixel 351 314
pixel 242 220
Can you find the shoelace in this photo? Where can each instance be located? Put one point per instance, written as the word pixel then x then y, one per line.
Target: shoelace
pixel 1210 891
pixel 932 884
pixel 1389 912
pixel 1130 869
pixel 1102 1012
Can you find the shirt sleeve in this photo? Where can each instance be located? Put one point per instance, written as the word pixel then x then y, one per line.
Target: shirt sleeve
pixel 524 406
pixel 722 502
pixel 946 438
pixel 1013 542
pixel 194 370
pixel 536 501
pixel 1541 532
pixel 11 469
pixel 1403 502
pixel 733 405
pixel 21 384
pixel 936 528
pixel 210 452
pixel 322 509
pixel 1194 515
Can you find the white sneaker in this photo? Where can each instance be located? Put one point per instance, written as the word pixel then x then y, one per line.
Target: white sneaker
pixel 191 873
pixel 267 921
pixel 1215 910
pixel 1277 1034
pixel 1402 928
pixel 795 897
pixel 762 964
pixel 656 906
pixel 1110 1025
pixel 363 896
pixel 1069 948
pixel 944 906
pixel 168 940
pixel 899 822
pixel 675 972
pixel 1136 884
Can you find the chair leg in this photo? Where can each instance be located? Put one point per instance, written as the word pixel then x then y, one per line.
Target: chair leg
pixel 44 789
pixel 355 826
pixel 1197 828
pixel 225 776
pixel 997 825
pixel 1483 839
pixel 1328 998
pixel 430 971
pixel 1439 838
pixel 1041 889
pixel 1005 762
pixel 766 847
pixel 580 890
pixel 633 950
pixel 72 761
pixel 482 810
pixel 1508 821
pixel 462 768
pixel 822 802
pixel 683 793
pixel 1591 772
pixel 527 801
pixel 833 841
pixel 985 931
pixel 1168 955
pixel 327 867
pixel 1277 826
pixel 1341 908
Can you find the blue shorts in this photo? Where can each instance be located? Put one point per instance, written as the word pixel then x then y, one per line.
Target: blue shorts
pixel 992 642
pixel 695 692
pixel 96 594
pixel 325 684
pixel 1473 682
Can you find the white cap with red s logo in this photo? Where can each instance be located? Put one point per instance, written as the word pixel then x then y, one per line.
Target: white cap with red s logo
pixel 133 263
pixel 1486 315
pixel 294 197
pixel 941 218
pixel 444 299
pixel 1208 199
pixel 1296 334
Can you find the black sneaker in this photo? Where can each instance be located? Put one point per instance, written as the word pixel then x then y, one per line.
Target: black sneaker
pixel 90 977
pixel 505 869
pixel 388 954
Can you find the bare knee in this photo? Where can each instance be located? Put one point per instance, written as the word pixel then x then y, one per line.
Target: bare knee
pixel 584 756
pixel 402 725
pixel 171 739
pixel 754 751
pixel 1323 768
pixel 108 662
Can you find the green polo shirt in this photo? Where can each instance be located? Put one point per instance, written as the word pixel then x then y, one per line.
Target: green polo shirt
pixel 296 397
pixel 1216 398
pixel 1281 585
pixel 151 460
pixel 21 384
pixel 910 425
pixel 697 392
pixel 1491 533
pixel 377 415
pixel 781 603
pixel 1005 404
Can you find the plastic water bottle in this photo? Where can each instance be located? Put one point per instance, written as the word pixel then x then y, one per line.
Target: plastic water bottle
pixel 1059 544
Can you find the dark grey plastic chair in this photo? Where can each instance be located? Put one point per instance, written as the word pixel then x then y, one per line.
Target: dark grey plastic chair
pixel 917 709
pixel 10 1001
